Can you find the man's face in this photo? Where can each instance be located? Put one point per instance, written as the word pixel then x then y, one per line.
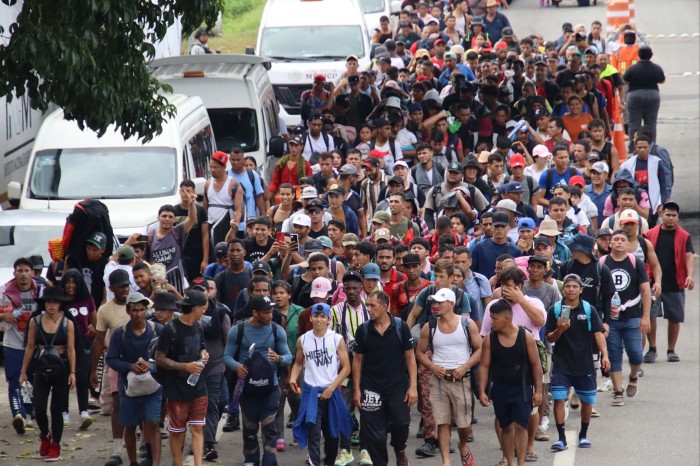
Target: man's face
pixel 120 292
pixel 500 232
pixel 526 234
pixel 185 193
pixel 263 317
pixel 597 133
pixel 236 253
pixel 237 161
pixel 23 275
pixel 602 60
pixel 449 63
pixel 630 228
pixel 385 260
pixel 487 227
pixel 335 200
pixel 536 270
pixel 326 166
pixel 619 243
pixel 597 178
pixel 412 271
pixel 626 201
pixel 375 308
pixel 352 290
pixel 575 106
pixel 216 169
pixel 294 149
pixel 580 153
pixel 552 129
pixel 315 127
pixel 544 250
pixel 400 170
pixel 301 231
pixel 261 289
pixel 442 280
pixel 496 168
pixel 351 67
pixel 669 219
pixel 557 212
pixel 94 253
pixel 142 278
pixel 420 250
pixel 603 243
pixel 286 196
pixel 561 159
pixel 359 259
pixel 316 215
pixel 318 269
pixel 261 232
pixel 395 205
pixel 642 148
pixel 572 290
pixel 137 313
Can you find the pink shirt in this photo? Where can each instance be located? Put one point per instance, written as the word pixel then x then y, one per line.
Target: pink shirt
pixel 520 318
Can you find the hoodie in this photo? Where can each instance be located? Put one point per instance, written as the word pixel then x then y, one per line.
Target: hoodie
pixel 611 205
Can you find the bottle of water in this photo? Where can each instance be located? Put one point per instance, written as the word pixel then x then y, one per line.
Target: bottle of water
pixel 615 302
pixel 193 378
pixel 5 308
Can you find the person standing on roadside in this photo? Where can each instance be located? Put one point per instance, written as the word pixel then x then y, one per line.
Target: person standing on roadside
pixel 574 328
pixel 510 354
pixel 643 98
pixel 674 249
pixel 181 352
pixel 384 381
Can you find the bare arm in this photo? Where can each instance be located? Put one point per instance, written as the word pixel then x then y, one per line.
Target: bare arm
pixel 533 356
pixel 298 365
pixel 70 353
pixel 484 365
pixel 690 267
pixel 28 351
pixel 205 246
pixel 415 313
pixel 191 219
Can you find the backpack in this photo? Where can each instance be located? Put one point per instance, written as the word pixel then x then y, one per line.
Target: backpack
pixel 432 325
pixel 305 138
pixel 397 323
pixel 586 310
pixel 631 257
pixel 611 223
pixel 49 363
pixel 260 380
pixel 431 290
pixel 88 216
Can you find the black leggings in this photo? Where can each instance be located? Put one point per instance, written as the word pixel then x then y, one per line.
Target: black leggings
pixel 59 391
pixel 82 381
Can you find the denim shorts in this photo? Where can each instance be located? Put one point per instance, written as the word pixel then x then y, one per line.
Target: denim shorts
pixel 626 331
pixel 133 410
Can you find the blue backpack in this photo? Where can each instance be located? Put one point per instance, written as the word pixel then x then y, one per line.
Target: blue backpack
pixel 586 309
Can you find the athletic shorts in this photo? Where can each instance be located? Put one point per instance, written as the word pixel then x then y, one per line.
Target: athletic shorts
pixel 133 410
pixel 510 405
pixel 584 385
pixel 674 305
pixel 192 412
pixel 451 400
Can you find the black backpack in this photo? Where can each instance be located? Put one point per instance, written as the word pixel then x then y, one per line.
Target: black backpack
pixel 260 380
pixel 49 362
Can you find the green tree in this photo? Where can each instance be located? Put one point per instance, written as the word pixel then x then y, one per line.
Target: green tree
pixel 90 57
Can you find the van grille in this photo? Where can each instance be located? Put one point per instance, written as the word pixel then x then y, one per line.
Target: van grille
pixel 289 96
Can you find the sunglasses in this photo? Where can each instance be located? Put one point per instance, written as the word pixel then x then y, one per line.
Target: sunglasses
pixel 313 211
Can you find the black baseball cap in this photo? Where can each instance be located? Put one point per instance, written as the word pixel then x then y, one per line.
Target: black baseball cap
pixel 200 282
pixel 193 298
pixel 119 277
pixel 260 303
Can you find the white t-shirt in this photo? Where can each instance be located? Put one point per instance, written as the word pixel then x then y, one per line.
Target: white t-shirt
pixel 321 358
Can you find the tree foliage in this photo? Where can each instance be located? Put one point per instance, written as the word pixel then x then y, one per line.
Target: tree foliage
pixel 89 57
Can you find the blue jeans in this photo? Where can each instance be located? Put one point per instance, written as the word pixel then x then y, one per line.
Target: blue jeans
pixel 626 331
pixel 258 413
pixel 13 369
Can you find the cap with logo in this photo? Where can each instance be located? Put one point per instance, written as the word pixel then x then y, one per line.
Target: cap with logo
pixel 97 239
pixel 454 167
pixel 119 277
pixel 371 272
pixel 629 216
pixel 352 275
pixel 349 239
pixel 309 193
pixel 513 187
pixel 261 267
pixel 443 295
pixel 200 283
pixel 320 287
pixel 517 160
pixel 337 190
pixel 137 297
pixel 296 140
pixel 321 308
pixel 382 234
pixel 193 298
pixel 577 180
pixel 600 167
pixel 302 220
pixel 221 157
pixel 371 162
pixel 260 303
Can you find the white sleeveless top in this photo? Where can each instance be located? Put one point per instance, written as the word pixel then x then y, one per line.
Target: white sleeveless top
pixel 450 350
pixel 219 202
pixel 321 355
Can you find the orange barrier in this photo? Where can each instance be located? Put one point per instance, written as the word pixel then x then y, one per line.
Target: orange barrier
pixel 618 138
pixel 620 12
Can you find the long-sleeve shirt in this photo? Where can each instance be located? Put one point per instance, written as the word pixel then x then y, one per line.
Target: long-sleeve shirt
pixel 263 338
pixel 285 175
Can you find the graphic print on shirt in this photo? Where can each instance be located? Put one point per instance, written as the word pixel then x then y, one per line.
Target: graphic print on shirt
pixel 371 401
pixel 164 256
pixel 321 357
pixel 621 279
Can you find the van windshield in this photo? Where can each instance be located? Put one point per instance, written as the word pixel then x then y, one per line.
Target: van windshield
pixel 372 6
pixel 104 173
pixel 311 42
pixel 234 127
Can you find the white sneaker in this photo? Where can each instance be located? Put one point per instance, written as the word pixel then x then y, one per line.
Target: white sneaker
pixel 605 385
pixel 85 420
pixel 566 410
pixel 66 419
pixel 575 403
pixel 545 422
pixel 365 459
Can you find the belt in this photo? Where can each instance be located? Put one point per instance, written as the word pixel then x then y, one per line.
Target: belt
pixel 449 375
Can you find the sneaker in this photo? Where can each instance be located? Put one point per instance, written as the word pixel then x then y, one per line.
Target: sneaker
pixel 672 357
pixel 93 403
pixel 541 434
pixel 146 462
pixel 401 458
pixel 428 450
pixel 232 423
pixel 163 431
pixel 618 399
pixel 650 357
pixel 85 420
pixel 114 460
pixel 28 423
pixel 631 391
pixel 575 402
pixel 344 458
pixel 281 445
pixel 18 424
pixel 44 444
pixel 605 385
pixel 210 453
pixel 640 372
pixel 290 421
pixel 355 439
pixel 106 412
pixel 545 423
pixel 54 453
pixel 594 413
pixel 365 460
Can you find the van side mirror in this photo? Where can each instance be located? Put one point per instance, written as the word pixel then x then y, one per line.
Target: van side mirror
pixel 249 50
pixel 14 193
pixel 276 147
pixel 199 185
pixel 395 6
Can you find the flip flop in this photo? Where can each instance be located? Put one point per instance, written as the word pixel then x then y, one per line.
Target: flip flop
pixel 559 446
pixel 584 443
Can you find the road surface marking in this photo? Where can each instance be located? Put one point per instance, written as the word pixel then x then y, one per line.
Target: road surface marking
pixel 567 457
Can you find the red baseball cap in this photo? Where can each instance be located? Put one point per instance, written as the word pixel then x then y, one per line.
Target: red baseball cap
pixel 501 45
pixel 577 181
pixel 320 77
pixel 220 157
pixel 517 160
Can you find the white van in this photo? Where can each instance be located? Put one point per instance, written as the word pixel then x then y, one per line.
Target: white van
pixel 238 95
pixel 133 179
pixel 375 9
pixel 309 37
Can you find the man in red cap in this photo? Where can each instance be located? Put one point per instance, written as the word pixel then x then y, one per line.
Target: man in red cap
pixel 517 168
pixel 222 201
pixel 319 96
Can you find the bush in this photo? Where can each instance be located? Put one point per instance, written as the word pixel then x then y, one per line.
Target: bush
pixel 238 7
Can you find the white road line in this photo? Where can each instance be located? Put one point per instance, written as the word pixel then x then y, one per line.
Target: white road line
pixel 567 457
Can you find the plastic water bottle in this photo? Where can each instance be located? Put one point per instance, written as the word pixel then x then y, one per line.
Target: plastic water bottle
pixel 194 378
pixel 5 308
pixel 615 302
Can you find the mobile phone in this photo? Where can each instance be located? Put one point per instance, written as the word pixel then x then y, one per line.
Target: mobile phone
pixel 143 239
pixel 295 238
pixel 566 312
pixel 279 236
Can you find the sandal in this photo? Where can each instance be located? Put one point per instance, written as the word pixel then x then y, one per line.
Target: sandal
pixel 470 438
pixel 559 446
pixel 503 462
pixel 584 443
pixel 530 457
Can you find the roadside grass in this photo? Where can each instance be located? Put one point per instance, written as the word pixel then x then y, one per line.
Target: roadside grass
pixel 240 26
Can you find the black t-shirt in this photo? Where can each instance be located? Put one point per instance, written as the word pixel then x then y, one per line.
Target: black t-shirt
pixel 666 252
pixel 229 284
pixel 93 273
pixel 316 234
pixel 644 75
pixel 598 286
pixel 254 252
pixel 193 243
pixel 572 353
pixel 187 347
pixel 627 279
pixel 384 364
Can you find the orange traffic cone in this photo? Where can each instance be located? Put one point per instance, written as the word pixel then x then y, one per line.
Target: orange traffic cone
pixel 619 136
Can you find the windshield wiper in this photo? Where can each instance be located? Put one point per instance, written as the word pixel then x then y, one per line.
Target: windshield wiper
pixel 328 57
pixel 288 59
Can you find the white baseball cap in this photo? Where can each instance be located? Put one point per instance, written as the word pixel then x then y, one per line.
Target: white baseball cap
pixel 309 193
pixel 302 220
pixel 444 294
pixel 540 150
pixel 600 167
pixel 320 287
pixel 400 163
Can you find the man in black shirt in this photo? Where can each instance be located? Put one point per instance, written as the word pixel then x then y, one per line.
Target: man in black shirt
pixel 231 281
pixel 195 254
pixel 573 324
pixel 259 247
pixel 384 383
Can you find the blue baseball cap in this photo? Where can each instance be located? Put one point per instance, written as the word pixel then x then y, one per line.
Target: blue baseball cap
pixel 526 223
pixel 371 272
pixel 321 308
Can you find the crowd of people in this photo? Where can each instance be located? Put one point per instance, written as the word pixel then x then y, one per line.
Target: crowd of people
pixel 453 225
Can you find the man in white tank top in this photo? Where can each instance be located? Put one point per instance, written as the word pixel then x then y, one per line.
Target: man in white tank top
pixel 456 346
pixel 222 201
pixel 322 354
